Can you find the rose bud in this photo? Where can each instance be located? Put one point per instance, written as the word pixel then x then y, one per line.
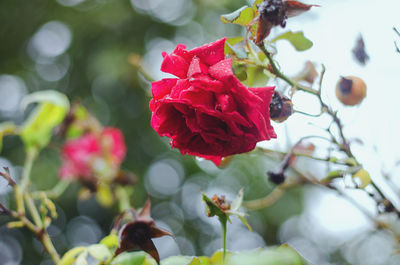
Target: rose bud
pixel 351 90
pixel 280 108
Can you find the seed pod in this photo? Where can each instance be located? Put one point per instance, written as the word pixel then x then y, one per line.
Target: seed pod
pixel 280 108
pixel 351 90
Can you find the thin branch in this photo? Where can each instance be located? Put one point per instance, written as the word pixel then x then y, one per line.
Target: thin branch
pixel 344 145
pixel 4 210
pixel 7 176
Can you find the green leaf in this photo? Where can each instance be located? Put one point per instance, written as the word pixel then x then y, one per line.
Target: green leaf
pixel 364 177
pixel 256 76
pixel 218 257
pixel 70 256
pixel 81 260
pixel 230 48
pixel 243 16
pixel 50 112
pixel 99 252
pixel 237 202
pixel 177 260
pixel 244 221
pixel 130 258
pixel 297 39
pixel 255 3
pixel 269 256
pixel 110 241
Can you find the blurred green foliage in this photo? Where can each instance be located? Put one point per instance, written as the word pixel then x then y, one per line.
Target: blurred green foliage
pixel 104 33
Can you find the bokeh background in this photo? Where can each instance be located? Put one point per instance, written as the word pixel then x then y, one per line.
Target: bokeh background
pixel 82 48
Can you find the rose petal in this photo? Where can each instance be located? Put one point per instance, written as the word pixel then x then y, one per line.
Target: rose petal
pixel 175 64
pixel 161 88
pixel 221 70
pixel 181 86
pixel 210 53
pixel 196 67
pixel 206 83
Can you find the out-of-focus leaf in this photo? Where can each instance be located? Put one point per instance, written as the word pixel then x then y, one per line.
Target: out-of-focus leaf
pixel 297 39
pixel 37 129
pixel 217 257
pixel 243 219
pixel 243 16
pixel 229 43
pixel 177 260
pixel 81 260
pixel 49 96
pixel 99 252
pixel 240 72
pixel 70 257
pixel 364 177
pixel 256 76
pixel 270 256
pixel 110 241
pixel 130 258
pixel 255 3
pixel 237 202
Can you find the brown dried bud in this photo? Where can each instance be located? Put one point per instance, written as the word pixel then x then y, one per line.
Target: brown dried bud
pixel 222 203
pixel 138 233
pixel 309 72
pixel 280 108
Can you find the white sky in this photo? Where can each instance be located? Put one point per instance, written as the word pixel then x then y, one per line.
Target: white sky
pixel 333 28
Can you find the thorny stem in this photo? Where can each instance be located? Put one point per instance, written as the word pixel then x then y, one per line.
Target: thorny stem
pixel 21 192
pixel 344 145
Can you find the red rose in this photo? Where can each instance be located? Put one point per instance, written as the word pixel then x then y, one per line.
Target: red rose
pixel 207 111
pixel 93 155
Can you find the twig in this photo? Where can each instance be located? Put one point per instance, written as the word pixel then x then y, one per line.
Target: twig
pixel 344 145
pixel 272 197
pixel 7 176
pixel 4 210
pixel 395 43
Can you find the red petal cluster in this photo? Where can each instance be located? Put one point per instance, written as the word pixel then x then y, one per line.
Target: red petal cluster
pixel 80 155
pixel 207 111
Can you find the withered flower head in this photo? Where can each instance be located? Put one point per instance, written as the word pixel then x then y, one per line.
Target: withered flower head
pixel 281 107
pixel 221 202
pixel 274 13
pixel 359 52
pixel 137 234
